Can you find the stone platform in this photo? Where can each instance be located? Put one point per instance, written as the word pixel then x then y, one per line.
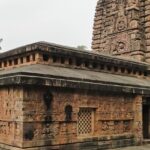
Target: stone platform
pixel 144 147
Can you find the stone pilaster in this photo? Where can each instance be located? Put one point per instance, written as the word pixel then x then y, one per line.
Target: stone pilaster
pixel 147 29
pixel 137 126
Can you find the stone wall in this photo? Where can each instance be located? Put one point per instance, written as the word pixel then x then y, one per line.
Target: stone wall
pixel 28 120
pixel 45 123
pixel 11 116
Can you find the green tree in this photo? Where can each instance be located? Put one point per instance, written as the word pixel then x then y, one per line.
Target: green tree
pixel 81 47
pixel 0 42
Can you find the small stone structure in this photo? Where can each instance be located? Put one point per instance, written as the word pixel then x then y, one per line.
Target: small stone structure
pixel 55 97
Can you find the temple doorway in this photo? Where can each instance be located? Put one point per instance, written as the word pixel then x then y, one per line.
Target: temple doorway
pixel 146 119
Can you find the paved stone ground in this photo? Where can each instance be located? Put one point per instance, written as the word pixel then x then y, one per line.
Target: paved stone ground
pixel 144 147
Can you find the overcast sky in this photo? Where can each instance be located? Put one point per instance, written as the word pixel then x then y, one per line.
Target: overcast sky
pixel 67 22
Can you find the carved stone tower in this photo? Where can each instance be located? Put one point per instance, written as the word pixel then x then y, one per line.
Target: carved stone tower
pixel 122 28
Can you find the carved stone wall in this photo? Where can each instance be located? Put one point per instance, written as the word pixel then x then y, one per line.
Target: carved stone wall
pixel 113 115
pixel 37 116
pixel 11 116
pixel 119 28
pixel 147 29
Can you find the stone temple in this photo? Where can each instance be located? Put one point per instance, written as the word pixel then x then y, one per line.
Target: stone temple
pixel 55 97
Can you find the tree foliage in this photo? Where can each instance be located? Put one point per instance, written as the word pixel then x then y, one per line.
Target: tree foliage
pixel 0 42
pixel 81 47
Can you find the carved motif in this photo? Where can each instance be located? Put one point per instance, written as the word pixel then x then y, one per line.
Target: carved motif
pixel 29 132
pixel 121 23
pixel 127 126
pixel 48 119
pixel 48 99
pixel 133 24
pixel 114 5
pixel 68 112
pixel 115 127
pixel 29 135
pixel 132 2
pixel 17 130
pixel 46 131
pixel 119 44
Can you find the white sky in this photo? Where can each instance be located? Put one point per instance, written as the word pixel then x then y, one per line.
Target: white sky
pixel 66 22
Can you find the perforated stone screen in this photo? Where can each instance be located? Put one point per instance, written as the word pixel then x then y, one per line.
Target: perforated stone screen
pixel 85 121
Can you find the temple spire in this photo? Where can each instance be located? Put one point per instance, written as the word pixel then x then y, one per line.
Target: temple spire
pixel 119 28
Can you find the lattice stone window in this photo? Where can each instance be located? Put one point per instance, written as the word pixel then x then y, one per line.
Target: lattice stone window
pixel 85 121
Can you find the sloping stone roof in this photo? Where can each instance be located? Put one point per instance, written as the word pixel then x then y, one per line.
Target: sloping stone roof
pixel 46 74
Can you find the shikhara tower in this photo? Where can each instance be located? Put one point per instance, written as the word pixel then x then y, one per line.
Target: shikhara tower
pixel 122 27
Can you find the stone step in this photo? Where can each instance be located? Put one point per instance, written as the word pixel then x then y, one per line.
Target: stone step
pixel 146 141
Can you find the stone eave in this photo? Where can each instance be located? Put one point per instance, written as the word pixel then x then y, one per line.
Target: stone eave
pixel 56 49
pixel 85 54
pixel 30 79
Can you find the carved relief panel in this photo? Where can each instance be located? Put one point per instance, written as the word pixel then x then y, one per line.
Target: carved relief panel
pixel 121 23
pixel 119 43
pixel 116 116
